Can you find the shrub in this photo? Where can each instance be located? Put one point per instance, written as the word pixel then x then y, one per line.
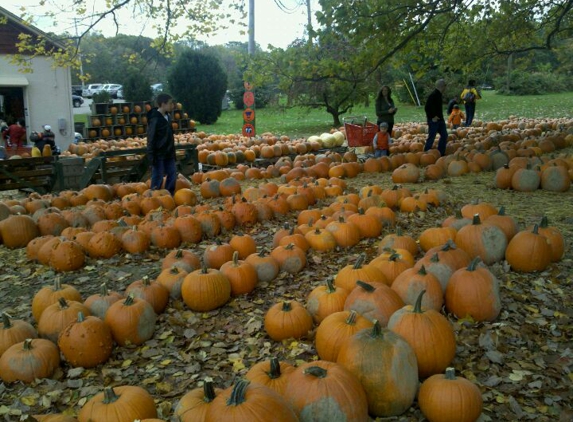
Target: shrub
pixel 535 83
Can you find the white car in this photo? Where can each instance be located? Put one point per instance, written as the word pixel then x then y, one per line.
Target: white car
pixel 113 89
pixel 91 89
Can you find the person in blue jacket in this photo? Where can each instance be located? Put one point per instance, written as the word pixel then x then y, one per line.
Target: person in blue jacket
pixel 161 144
pixel 435 117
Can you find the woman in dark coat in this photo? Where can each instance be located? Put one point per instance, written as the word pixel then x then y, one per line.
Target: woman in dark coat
pixel 385 108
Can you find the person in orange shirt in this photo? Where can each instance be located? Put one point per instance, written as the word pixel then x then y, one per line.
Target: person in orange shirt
pixel 456 117
pixel 382 140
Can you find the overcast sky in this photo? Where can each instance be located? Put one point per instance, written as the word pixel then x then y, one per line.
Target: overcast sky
pixel 272 25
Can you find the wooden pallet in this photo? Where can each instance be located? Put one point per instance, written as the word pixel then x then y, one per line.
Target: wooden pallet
pixel 38 174
pixel 131 165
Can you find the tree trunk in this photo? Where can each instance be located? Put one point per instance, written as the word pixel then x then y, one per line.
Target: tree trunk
pixel 509 68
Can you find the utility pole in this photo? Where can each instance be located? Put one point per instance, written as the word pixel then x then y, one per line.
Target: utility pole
pixel 79 54
pixel 309 24
pixel 251 49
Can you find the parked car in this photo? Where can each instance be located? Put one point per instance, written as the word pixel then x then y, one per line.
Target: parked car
pixel 77 90
pixel 486 87
pixel 156 88
pixel 112 89
pixel 120 93
pixel 77 101
pixel 91 89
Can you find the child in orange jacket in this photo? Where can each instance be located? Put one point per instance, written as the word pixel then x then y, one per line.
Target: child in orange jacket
pixel 456 117
pixel 382 140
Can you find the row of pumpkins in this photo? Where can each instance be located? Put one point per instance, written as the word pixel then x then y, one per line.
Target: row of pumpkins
pixel 278 332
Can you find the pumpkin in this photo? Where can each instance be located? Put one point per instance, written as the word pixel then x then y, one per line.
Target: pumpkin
pixel 486 241
pixel 118 404
pixel 271 373
pixel 181 258
pixel 266 266
pixel 325 300
pixel 99 303
pixel 321 240
pixel 205 289
pixel 216 255
pixel 385 365
pixel 165 237
pixel 375 301
pixel 67 255
pixel 483 209
pixel 350 274
pixel 398 240
pixel 244 245
pixel 58 316
pixel 335 330
pixel 345 233
pixel 447 398
pixel 104 245
pixel 367 224
pixel 554 237
pixel 391 265
pixel 192 407
pixel 411 282
pixel 457 221
pixel 29 360
pixel 474 292
pixel 287 319
pixel 172 279
pixel 87 342
pixel 241 275
pixel 135 241
pixel 326 391
pixel 17 230
pixel 436 236
pixel 131 320
pixel 14 331
pixel 291 258
pixel 152 292
pixel 429 333
pixel 251 402
pixel 442 261
pixel 245 213
pixel 506 223
pixel 528 251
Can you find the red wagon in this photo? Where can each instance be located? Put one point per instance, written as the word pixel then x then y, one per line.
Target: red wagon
pixel 359 131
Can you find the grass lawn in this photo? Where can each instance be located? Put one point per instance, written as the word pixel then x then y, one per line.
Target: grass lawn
pixel 301 122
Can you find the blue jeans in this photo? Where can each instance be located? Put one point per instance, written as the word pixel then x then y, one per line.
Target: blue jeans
pixel 433 129
pixel 380 153
pixel 470 113
pixel 163 167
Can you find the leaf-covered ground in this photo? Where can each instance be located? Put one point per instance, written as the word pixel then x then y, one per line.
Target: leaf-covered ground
pixel 523 362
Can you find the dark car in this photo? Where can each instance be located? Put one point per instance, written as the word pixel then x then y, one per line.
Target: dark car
pixel 77 90
pixel 77 101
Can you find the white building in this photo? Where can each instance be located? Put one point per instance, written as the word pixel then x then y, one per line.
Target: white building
pixel 42 96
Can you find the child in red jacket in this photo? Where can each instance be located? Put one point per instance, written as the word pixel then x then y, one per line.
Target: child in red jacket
pixel 382 141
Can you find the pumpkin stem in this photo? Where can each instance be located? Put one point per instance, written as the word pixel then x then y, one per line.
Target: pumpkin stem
pixel 422 271
pixel 368 287
pixel 317 231
pixel 398 231
pixel 359 261
pixel 535 229
pixel 57 284
pixel 27 344
pixel 418 305
pixel 6 320
pixel 361 211
pixel 145 281
pixel 179 253
pixel 204 269
pixel 330 286
pixel 459 215
pixel 435 258
pixel 236 259
pixel 449 245
pixel 208 392
pixel 275 371
pixel 473 265
pixel 81 317
pixel 450 374
pixel 544 222
pixel 109 395
pixel 394 256
pixel 129 300
pixel 501 210
pixel 103 289
pixel 376 329
pixel 476 220
pixel 316 371
pixel 174 269
pixel 286 306
pixel 63 303
pixel 289 247
pixel 238 393
pixel 351 320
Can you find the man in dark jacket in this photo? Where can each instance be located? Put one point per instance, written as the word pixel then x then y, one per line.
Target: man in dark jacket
pixel 161 144
pixel 435 118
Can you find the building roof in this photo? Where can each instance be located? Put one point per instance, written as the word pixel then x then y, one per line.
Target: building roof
pixel 15 25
